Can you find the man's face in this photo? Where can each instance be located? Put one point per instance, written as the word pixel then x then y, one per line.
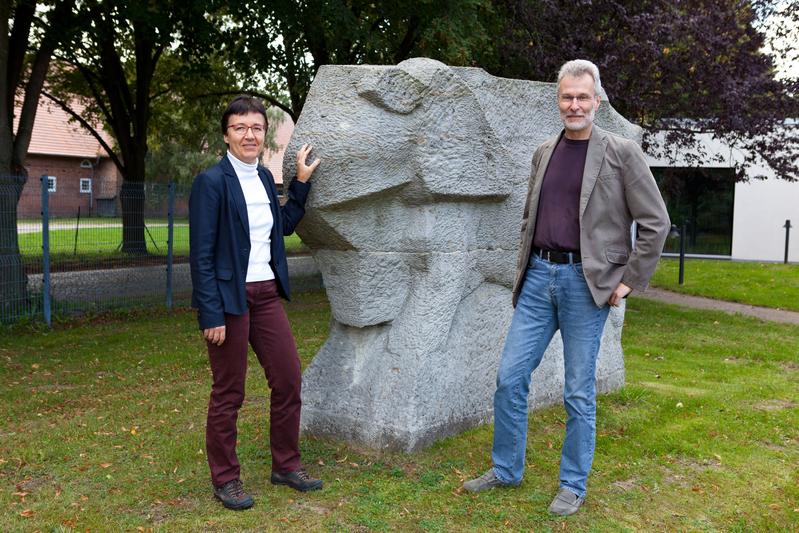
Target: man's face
pixel 578 103
pixel 245 136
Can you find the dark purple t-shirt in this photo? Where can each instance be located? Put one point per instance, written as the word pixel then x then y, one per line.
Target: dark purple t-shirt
pixel 557 225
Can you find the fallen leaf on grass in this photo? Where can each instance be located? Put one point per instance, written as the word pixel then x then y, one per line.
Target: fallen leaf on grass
pixel 774 506
pixel 320 462
pixel 105 465
pixel 27 513
pixel 21 494
pixel 35 366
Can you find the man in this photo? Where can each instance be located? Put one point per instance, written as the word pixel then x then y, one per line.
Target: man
pixel 239 274
pixel 575 261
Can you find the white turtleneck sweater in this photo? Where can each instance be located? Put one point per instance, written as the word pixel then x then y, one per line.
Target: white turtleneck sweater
pixel 259 214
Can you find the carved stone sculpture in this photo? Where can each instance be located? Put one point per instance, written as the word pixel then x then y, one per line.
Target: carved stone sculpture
pixel 413 220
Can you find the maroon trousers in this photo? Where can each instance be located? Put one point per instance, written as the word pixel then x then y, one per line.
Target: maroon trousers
pixel 266 328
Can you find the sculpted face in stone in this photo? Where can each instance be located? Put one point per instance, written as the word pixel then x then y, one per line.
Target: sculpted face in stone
pixel 414 222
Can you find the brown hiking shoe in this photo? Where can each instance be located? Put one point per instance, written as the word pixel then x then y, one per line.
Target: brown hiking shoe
pixel 297 480
pixel 232 495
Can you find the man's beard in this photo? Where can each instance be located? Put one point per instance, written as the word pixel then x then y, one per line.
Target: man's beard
pixel 587 120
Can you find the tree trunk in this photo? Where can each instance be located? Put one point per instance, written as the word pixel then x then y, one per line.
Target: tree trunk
pixel 132 200
pixel 14 298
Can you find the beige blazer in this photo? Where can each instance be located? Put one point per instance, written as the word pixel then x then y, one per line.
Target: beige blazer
pixel 618 188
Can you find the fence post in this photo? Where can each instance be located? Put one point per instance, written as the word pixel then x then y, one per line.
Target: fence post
pixel 170 234
pixel 46 251
pixel 787 227
pixel 77 225
pixel 682 251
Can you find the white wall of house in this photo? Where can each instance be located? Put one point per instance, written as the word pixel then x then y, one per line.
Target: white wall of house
pixel 760 209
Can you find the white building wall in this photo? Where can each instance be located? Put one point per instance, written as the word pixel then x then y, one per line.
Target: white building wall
pixel 761 207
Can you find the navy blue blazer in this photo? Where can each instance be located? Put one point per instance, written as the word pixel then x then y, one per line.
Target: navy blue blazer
pixel 219 236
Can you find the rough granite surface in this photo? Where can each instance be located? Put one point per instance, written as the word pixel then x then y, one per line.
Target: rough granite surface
pixel 413 219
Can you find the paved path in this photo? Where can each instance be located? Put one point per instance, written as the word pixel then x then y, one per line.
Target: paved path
pixel 698 302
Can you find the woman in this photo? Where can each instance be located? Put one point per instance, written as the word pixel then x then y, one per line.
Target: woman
pixel 239 274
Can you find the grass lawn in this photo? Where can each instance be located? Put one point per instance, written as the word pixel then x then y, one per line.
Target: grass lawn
pixel 765 284
pixel 103 430
pixel 100 239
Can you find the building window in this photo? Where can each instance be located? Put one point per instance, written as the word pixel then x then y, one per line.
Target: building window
pixel 51 183
pixel 701 199
pixel 86 185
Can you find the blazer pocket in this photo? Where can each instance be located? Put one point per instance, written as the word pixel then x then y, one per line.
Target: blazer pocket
pixel 607 176
pixel 616 257
pixel 224 274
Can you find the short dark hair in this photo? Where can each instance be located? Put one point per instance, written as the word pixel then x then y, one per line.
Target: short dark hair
pixel 242 105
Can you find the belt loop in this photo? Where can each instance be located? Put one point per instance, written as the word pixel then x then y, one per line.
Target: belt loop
pixel 571 258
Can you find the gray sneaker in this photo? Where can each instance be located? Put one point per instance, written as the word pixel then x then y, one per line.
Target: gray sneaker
pixel 487 481
pixel 566 503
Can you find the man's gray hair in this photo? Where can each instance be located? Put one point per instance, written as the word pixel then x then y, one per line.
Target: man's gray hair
pixel 579 67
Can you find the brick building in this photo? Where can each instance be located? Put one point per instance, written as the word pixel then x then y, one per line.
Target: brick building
pixel 79 172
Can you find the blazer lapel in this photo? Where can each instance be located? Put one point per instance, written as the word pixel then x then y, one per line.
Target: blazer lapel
pixel 236 193
pixel 593 162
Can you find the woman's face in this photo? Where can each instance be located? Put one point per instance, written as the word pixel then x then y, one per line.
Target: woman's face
pixel 245 136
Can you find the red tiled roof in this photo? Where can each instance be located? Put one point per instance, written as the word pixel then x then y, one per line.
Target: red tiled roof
pixel 55 134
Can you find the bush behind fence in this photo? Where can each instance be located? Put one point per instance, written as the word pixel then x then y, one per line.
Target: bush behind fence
pixel 77 256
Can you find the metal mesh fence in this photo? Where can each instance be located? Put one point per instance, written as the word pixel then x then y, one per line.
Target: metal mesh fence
pixel 17 298
pixel 83 254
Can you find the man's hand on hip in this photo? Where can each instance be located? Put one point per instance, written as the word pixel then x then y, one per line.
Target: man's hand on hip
pixel 621 291
pixel 215 335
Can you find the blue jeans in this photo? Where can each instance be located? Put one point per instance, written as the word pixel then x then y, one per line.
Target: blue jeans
pixel 554 296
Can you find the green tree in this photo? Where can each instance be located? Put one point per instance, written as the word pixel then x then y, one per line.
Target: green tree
pixel 681 67
pixel 30 31
pixel 113 65
pixel 185 135
pixel 279 44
